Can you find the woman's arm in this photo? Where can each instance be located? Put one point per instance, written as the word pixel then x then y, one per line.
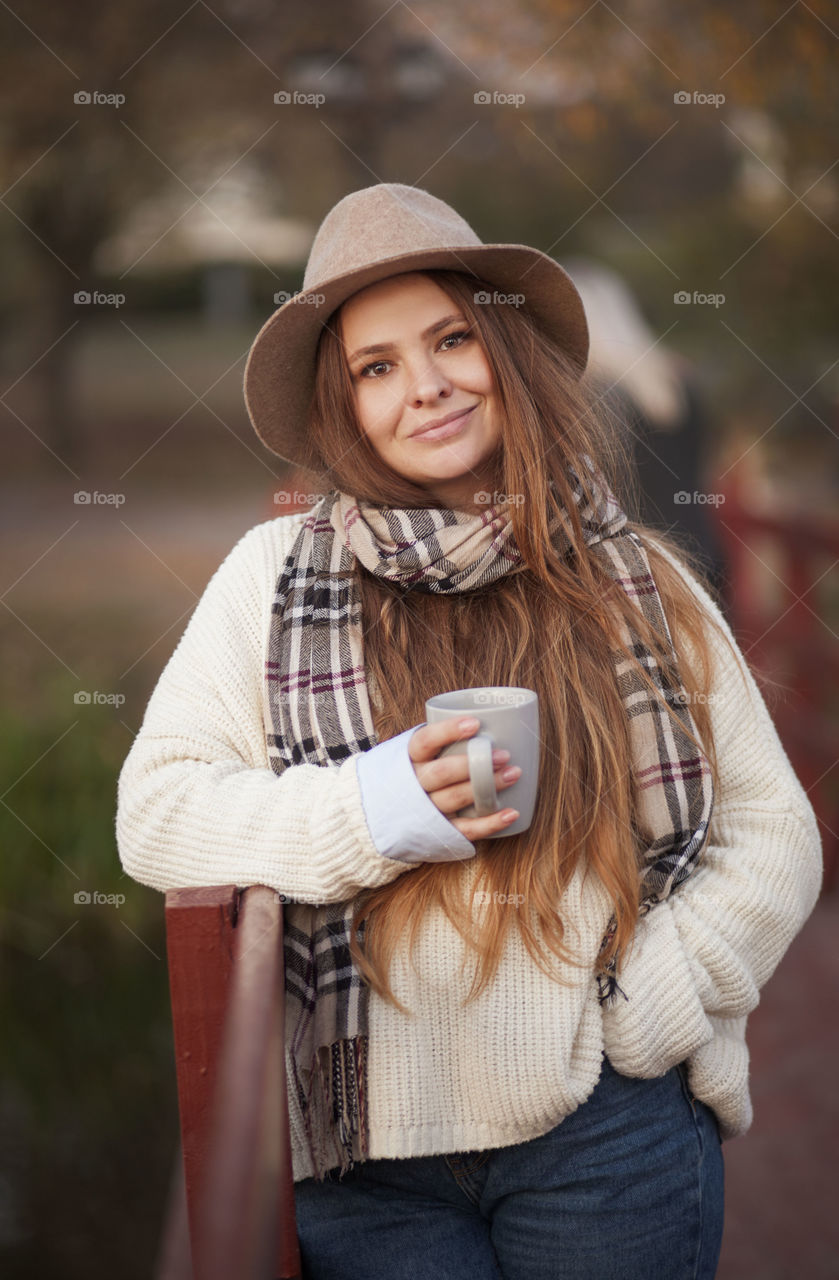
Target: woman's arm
pixel 706 951
pixel 198 804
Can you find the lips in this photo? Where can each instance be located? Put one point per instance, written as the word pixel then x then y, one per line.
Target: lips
pixel 444 427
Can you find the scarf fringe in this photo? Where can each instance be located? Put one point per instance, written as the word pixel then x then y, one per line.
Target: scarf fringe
pixel 333 1103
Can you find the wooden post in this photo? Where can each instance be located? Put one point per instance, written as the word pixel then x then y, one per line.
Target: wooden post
pixel 174 1256
pixel 227 988
pixel 199 945
pixel 239 1222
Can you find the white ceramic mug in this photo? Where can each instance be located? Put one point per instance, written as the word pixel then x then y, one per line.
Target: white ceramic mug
pixel 509 720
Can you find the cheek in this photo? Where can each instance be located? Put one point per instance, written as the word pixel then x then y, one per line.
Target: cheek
pixel 374 406
pixel 477 371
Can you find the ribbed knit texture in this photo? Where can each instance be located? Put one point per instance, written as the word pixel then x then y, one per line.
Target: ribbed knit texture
pixel 200 805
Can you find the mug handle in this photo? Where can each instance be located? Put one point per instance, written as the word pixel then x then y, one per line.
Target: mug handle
pixel 479 755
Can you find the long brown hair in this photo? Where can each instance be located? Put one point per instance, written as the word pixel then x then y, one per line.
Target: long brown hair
pixel 552 624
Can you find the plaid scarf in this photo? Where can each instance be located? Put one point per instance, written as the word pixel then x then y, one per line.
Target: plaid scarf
pixel 317 711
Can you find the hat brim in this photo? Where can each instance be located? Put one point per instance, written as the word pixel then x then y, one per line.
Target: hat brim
pixel 280 369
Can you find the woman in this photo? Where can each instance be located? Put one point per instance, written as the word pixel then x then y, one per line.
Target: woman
pixel 477 1088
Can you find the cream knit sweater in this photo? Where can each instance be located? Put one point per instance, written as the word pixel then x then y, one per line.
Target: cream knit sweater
pixel 200 805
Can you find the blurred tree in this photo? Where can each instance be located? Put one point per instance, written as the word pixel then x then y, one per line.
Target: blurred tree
pixel 741 197
pixel 197 95
pixel 597 157
pixel 198 100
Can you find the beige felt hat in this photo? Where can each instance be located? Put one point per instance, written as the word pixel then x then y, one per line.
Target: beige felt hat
pixel 371 234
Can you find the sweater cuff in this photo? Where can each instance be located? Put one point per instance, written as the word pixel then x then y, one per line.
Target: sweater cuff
pixel 404 821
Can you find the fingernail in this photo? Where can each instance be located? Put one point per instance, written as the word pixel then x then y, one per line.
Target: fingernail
pixel 512 772
pixel 509 814
pixel 471 722
pixel 500 755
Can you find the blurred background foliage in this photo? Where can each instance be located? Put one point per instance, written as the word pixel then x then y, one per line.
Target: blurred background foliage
pixel 196 199
pixel 739 198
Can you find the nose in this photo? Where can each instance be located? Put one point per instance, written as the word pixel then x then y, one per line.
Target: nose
pixel 427 382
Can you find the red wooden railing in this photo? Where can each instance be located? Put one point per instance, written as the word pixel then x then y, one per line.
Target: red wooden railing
pixel 225 949
pixel 781 568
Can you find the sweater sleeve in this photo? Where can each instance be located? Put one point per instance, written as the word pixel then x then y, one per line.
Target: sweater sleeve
pixel 198 803
pixel 704 953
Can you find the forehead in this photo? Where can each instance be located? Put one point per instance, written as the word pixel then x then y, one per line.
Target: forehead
pixel 402 296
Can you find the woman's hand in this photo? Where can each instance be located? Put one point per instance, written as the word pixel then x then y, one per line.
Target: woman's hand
pixel 447 779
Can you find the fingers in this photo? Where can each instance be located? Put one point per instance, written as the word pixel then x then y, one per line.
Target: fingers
pixel 429 740
pixel 449 799
pixel 446 779
pixel 448 772
pixel 480 828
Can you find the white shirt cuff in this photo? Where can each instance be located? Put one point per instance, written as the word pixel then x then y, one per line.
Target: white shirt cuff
pixel 404 821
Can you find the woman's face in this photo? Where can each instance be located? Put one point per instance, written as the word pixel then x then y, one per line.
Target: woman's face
pixel 413 362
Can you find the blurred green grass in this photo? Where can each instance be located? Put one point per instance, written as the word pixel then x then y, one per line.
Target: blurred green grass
pixel 89 1102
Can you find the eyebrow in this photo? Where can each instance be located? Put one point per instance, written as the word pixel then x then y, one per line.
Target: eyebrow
pixel 379 347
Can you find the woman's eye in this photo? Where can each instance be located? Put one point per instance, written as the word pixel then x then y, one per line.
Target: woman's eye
pixel 456 337
pixel 366 371
pixel 378 368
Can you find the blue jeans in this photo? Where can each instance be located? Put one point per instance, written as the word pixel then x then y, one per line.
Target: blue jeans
pixel 628 1187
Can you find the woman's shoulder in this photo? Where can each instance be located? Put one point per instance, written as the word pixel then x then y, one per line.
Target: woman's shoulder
pixel 689 571
pixel 731 690
pixel 236 601
pixel 243 584
pixel 273 538
pixel 263 548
